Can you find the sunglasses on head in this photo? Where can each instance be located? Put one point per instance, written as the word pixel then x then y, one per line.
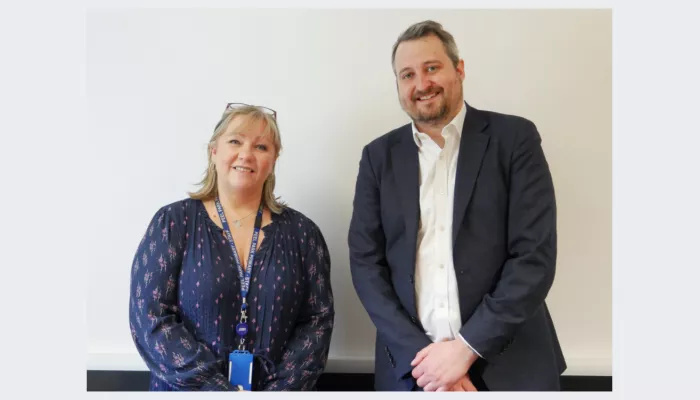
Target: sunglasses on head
pixel 233 106
pixel 266 110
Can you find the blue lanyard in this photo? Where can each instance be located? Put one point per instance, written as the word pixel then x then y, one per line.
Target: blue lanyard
pixel 242 327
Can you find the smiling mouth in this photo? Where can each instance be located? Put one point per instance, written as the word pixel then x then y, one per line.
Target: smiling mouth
pixel 244 169
pixel 427 97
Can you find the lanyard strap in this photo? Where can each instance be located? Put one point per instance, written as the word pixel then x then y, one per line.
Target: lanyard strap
pixel 244 277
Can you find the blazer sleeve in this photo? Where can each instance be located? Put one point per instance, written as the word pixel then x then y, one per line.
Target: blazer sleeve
pixel 306 352
pixel 371 275
pixel 169 350
pixel 528 273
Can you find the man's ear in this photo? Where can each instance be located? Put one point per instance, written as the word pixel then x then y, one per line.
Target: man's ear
pixel 460 69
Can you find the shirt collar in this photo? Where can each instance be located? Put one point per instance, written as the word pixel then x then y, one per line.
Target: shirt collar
pixel 455 125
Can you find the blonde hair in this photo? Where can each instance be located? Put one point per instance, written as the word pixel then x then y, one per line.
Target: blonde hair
pixel 208 189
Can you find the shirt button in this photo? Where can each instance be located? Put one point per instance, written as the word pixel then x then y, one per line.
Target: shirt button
pixel 442 266
pixel 442 305
pixel 442 228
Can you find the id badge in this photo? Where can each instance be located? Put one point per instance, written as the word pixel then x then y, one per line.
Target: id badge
pixel 240 369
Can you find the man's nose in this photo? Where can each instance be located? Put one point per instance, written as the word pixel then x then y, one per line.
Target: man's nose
pixel 423 83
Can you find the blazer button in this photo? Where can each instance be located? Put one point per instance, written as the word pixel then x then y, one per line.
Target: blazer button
pixel 413 319
pixel 410 277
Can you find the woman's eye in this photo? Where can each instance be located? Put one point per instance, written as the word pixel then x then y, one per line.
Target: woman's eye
pixel 234 141
pixel 262 147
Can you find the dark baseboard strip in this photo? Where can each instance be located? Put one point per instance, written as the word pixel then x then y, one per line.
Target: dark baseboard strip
pixel 130 381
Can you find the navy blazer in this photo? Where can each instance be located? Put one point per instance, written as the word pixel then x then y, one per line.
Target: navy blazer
pixel 504 250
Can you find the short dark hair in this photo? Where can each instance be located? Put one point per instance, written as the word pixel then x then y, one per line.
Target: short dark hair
pixel 427 28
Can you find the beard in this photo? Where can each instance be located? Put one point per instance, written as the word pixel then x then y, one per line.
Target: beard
pixel 436 114
pixel 441 110
pixel 431 117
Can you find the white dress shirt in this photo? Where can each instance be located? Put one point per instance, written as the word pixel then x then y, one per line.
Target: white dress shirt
pixel 437 294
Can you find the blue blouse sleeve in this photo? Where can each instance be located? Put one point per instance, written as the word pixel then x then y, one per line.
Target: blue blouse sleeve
pixel 307 350
pixel 170 351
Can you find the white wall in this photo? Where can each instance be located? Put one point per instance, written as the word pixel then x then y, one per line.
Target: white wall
pixel 157 81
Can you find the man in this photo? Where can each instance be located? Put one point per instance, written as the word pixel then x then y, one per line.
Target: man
pixel 453 236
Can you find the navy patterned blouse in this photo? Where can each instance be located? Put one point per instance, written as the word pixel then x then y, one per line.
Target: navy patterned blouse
pixel 185 302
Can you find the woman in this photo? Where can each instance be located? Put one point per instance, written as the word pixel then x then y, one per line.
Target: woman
pixel 188 312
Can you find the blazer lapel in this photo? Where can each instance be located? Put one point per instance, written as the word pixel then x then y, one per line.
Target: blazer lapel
pixel 471 153
pixel 404 164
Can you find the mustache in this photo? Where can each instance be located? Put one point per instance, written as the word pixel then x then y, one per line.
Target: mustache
pixel 435 90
